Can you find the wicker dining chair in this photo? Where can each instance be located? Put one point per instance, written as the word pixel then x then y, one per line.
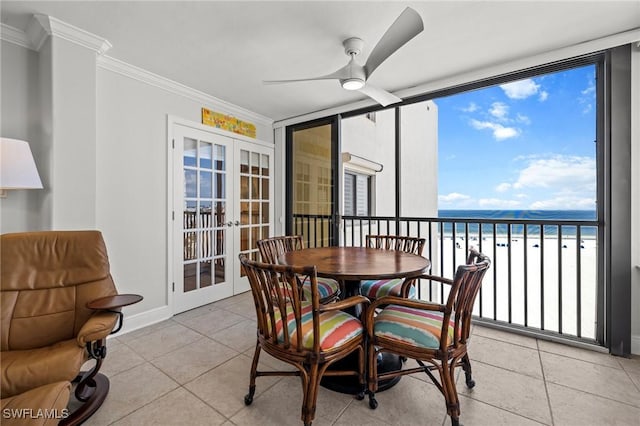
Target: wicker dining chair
pixel 435 335
pixel 374 289
pixel 271 248
pixel 306 334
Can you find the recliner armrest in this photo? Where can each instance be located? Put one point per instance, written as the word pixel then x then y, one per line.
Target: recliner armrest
pixel 97 327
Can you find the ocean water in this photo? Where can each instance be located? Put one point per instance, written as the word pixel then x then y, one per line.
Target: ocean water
pixel 519 215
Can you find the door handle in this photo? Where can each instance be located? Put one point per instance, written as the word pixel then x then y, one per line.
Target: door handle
pixel 229 224
pixel 237 223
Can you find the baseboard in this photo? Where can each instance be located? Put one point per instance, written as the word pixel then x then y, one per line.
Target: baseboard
pixel 144 319
pixel 635 345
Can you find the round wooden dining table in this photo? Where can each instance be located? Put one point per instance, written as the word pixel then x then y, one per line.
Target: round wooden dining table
pixel 351 265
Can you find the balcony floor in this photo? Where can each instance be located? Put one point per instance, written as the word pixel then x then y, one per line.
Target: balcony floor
pixel 194 369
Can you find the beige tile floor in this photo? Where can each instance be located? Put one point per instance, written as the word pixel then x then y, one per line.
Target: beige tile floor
pixel 193 370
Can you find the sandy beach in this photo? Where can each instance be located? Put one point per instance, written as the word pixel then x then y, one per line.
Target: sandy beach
pixel 448 253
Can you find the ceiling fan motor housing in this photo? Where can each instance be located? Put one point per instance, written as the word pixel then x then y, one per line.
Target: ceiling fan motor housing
pixel 353 46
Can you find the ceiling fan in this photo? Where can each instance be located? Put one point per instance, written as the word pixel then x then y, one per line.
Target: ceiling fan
pixel 354 76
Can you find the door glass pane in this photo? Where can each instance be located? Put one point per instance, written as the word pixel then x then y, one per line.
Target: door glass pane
pixel 244 187
pixel 265 212
pixel 311 149
pixel 190 184
pixel 255 188
pixel 244 161
pixel 219 158
pixel 255 213
pixel 220 219
pixel 205 273
pixel 189 154
pixel 219 271
pixel 265 188
pixel 205 155
pixel 219 185
pixel 244 239
pixel 205 184
pixel 255 163
pixel 244 213
pixel 189 277
pixel 265 165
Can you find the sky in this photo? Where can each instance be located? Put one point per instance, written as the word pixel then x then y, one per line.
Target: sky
pixel 524 145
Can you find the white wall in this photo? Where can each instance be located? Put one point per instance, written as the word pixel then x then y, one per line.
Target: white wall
pixel 20 119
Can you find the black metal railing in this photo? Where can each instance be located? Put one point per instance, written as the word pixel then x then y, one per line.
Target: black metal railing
pixel 543 277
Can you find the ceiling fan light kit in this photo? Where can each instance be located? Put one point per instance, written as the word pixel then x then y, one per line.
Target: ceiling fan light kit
pixel 354 76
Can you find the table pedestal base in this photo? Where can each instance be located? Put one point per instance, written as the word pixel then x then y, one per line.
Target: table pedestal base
pixel 350 385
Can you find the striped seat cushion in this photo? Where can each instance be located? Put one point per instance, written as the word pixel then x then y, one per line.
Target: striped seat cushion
pixel 375 289
pixel 326 288
pixel 414 326
pixel 336 328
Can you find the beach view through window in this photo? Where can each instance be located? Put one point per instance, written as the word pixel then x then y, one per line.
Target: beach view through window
pixel 526 150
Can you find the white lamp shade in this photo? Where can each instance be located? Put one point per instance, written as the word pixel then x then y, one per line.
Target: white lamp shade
pixel 17 168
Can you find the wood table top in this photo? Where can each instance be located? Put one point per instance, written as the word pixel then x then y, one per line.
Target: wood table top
pixel 357 263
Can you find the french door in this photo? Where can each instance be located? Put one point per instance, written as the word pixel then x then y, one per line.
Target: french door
pixel 222 192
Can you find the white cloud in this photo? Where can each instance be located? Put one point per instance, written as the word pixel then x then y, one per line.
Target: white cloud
pixel 563 203
pixel 453 197
pixel 499 110
pixel 521 89
pixel 500 132
pixel 521 118
pixel 472 107
pixel 543 96
pixel 503 187
pixel 559 171
pixel 498 204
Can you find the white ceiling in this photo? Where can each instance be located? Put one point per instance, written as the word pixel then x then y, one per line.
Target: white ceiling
pixel 226 49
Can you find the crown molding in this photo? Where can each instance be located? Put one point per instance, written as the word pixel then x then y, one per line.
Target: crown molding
pixel 131 71
pixel 42 26
pixel 15 36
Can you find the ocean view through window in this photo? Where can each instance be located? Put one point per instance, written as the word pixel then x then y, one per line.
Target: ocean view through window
pixel 529 147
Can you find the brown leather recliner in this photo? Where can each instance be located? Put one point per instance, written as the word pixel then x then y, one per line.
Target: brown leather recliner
pixel 48 280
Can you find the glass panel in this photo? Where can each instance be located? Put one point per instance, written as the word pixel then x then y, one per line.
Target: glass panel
pixel 220 214
pixel 265 165
pixel 265 232
pixel 244 239
pixel 219 271
pixel 189 152
pixel 189 277
pixel 189 246
pixel 255 188
pixel 190 184
pixel 205 214
pixel 244 161
pixel 244 213
pixel 255 236
pixel 205 244
pixel 189 218
pixel 220 185
pixel 265 188
pixel 312 180
pixel 244 187
pixel 219 245
pixel 219 158
pixel 255 163
pixel 205 184
pixel 265 212
pixel 205 155
pixel 255 213
pixel 205 274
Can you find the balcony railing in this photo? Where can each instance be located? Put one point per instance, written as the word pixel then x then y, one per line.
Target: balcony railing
pixel 543 278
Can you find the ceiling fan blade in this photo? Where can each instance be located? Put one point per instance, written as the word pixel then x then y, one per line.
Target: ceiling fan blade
pixel 406 26
pixel 381 96
pixel 338 75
